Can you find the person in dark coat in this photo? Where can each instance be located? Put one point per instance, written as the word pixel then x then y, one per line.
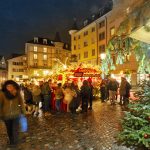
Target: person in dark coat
pixel 11 107
pixel 127 95
pixel 103 90
pixel 85 95
pixel 113 87
pixel 91 95
pixel 47 93
pixel 75 102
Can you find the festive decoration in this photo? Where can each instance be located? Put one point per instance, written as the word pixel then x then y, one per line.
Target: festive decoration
pixel 135 125
pixel 121 45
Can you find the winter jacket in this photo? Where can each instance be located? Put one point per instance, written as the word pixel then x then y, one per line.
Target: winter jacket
pixel 85 92
pixel 113 85
pixel 122 89
pixel 36 92
pixel 10 109
pixel 46 90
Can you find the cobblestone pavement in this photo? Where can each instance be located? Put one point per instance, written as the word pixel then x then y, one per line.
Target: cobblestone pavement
pixel 95 130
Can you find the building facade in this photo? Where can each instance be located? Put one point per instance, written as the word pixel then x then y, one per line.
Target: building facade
pixel 3 70
pixel 43 55
pixel 91 41
pixel 17 68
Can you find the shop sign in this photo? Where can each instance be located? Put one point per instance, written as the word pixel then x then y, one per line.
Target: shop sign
pixel 78 74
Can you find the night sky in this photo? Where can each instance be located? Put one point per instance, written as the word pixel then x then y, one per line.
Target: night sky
pixel 21 20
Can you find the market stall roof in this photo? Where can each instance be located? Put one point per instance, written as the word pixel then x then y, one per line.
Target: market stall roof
pixel 85 72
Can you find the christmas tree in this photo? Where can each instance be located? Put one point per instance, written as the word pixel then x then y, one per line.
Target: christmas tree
pixel 136 122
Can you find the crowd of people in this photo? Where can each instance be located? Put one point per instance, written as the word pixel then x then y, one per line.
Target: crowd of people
pixel 48 97
pixel 110 89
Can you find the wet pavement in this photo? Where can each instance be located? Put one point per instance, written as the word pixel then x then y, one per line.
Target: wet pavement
pixel 94 130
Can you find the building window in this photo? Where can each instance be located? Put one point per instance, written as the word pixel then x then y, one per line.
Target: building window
pixel 85 33
pixel 112 31
pixel 74 38
pixel 18 63
pixel 35 64
pixel 45 49
pixel 93 29
pixel 74 47
pixel 24 58
pixel 44 41
pixel 85 43
pixel 102 24
pixel 35 39
pixel 45 57
pixel 45 64
pixel 35 56
pixel 101 49
pixel 102 36
pixel 79 37
pixel 93 52
pixel 85 54
pixel 35 48
pixel 93 40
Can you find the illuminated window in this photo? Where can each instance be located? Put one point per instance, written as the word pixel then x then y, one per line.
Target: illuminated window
pixel 44 41
pixel 24 58
pixel 45 57
pixel 74 38
pixel 35 56
pixel 45 50
pixel 79 37
pixel 35 39
pixel 74 47
pixel 112 31
pixel 35 48
pixel 85 54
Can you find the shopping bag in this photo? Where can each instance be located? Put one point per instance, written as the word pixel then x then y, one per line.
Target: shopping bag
pixel 23 123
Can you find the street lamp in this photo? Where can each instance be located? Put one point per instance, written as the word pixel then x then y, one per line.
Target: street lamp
pixel 103 56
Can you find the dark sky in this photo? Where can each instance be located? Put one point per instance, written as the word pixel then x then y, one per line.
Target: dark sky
pixel 21 20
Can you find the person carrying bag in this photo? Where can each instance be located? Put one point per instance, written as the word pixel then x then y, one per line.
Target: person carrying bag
pixel 11 108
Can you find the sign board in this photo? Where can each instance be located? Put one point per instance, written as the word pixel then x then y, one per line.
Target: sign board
pixel 78 74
